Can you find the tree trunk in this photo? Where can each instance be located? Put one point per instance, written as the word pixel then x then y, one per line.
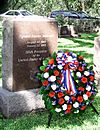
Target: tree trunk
pixel 83 5
pixel 66 4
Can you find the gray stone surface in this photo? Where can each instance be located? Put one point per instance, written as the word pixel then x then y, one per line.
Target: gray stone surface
pixel 15 103
pixel 7 55
pixel 96 59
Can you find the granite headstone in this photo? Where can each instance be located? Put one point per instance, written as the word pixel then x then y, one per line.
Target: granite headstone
pixel 25 43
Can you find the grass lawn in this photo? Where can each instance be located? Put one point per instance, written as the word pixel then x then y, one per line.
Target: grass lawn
pixel 88 120
pixel 82 46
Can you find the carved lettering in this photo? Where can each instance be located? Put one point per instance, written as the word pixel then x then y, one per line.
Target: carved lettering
pixel 33 41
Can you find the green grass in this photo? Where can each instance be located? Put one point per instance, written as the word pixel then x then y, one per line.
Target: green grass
pixel 86 121
pixel 89 120
pixel 82 46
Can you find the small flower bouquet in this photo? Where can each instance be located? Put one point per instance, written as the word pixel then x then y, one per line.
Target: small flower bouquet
pixel 67 83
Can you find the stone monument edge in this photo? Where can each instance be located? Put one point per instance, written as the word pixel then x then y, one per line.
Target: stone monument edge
pixel 7 66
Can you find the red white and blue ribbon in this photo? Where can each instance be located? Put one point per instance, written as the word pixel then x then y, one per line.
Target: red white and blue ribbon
pixel 67 78
pixel 68 82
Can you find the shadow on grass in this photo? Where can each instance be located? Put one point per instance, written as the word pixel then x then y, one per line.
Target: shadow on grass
pixel 82 40
pixel 1 37
pixel 0 29
pixel 81 43
pixel 89 36
pixel 32 121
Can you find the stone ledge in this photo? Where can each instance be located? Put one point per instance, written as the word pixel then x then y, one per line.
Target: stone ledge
pixel 15 103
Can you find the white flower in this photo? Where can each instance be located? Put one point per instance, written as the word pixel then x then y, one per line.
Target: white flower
pixel 77 111
pixel 88 88
pixel 91 82
pixel 76 104
pixel 60 67
pixel 66 98
pixel 86 73
pixel 58 109
pixel 78 74
pixel 64 107
pixel 54 103
pixel 59 54
pixel 62 88
pixel 74 55
pixel 52 78
pixel 69 58
pixel 46 75
pixel 53 86
pixel 87 103
pixel 85 97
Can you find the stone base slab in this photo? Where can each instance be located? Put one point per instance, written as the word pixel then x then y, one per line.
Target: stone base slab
pixel 15 103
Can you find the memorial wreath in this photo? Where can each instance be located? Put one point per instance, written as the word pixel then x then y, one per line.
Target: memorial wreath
pixel 67 83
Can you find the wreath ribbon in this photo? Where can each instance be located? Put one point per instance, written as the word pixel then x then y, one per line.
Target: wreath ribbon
pixel 68 82
pixel 66 74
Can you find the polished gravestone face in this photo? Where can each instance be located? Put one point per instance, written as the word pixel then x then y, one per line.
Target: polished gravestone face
pixel 32 41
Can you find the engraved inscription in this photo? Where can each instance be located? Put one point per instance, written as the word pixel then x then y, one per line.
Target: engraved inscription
pixel 32 51
pixel 33 41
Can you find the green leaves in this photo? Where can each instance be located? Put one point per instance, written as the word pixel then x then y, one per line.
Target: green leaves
pixel 45 62
pixel 42 89
pixel 42 68
pixel 48 103
pixel 38 76
pixel 54 55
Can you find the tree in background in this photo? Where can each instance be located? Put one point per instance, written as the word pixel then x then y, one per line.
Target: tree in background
pixel 3 6
pixel 17 4
pixel 44 7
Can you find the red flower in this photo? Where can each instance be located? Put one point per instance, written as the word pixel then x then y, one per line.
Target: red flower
pixel 80 68
pixel 81 89
pixel 68 92
pixel 67 52
pixel 69 107
pixel 59 81
pixel 66 67
pixel 51 61
pixel 61 101
pixel 51 94
pixel 83 107
pixel 46 70
pixel 60 76
pixel 56 72
pixel 91 78
pixel 73 98
pixel 92 99
pixel 76 62
pixel 60 94
pixel 45 82
pixel 80 57
pixel 68 111
pixel 84 80
pixel 88 93
pixel 80 99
